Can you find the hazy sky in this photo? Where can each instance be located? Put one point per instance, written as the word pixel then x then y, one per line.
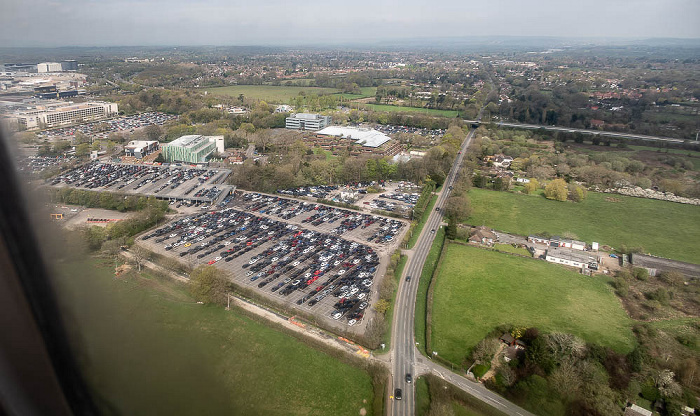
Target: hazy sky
pixel 235 22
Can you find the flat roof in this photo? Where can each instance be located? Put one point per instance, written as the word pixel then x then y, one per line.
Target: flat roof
pixel 364 137
pixel 186 141
pixel 570 254
pixel 306 116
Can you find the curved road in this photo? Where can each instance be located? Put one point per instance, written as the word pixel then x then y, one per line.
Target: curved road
pixel 406 359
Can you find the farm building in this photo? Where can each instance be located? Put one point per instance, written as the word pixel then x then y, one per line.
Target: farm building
pixel 570 257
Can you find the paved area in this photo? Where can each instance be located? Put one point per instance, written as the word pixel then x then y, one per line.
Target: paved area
pixel 291 252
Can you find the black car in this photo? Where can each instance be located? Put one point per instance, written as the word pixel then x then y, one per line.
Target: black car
pixel 397 394
pixel 408 278
pixel 409 378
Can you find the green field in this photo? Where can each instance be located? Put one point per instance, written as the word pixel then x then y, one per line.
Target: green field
pixel 149 349
pixel 477 290
pixel 662 228
pixel 390 312
pixel 271 93
pixel 508 248
pixel 397 108
pixel 364 93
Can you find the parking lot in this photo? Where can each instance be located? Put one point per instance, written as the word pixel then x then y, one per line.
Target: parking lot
pixel 37 164
pixel 357 226
pixel 277 247
pixel 102 129
pixel 396 197
pixel 178 183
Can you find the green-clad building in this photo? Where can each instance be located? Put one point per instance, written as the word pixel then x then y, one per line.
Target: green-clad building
pixel 192 148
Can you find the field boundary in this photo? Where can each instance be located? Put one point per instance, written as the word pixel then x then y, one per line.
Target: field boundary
pixel 429 298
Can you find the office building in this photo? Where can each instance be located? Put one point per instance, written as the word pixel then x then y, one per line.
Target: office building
pixel 192 148
pixel 69 65
pixel 49 67
pixel 355 140
pixel 49 114
pixel 306 121
pixel 140 148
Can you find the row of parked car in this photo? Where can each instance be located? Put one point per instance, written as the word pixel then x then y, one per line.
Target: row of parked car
pixel 103 128
pixel 343 220
pixel 320 191
pixel 38 164
pixel 289 259
pixel 104 175
pixel 406 198
pixel 387 129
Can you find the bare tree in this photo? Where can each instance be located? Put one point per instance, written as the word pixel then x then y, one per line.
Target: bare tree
pixel 140 255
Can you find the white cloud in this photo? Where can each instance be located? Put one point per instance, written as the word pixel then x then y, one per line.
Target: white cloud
pixel 149 22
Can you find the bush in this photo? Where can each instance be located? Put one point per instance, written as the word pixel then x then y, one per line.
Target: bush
pixel 650 392
pixel 641 274
pixel 480 369
pixel 621 287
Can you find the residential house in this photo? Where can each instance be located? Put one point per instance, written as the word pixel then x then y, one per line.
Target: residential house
pixel 635 410
pixel 483 235
pixel 501 161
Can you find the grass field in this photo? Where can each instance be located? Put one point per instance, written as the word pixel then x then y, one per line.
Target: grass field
pixel 390 313
pixel 271 93
pixel 477 290
pixel 397 108
pixel 364 93
pixel 149 349
pixel 422 397
pixel 508 248
pixel 662 228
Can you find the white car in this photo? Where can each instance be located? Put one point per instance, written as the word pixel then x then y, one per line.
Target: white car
pixel 352 322
pixel 337 315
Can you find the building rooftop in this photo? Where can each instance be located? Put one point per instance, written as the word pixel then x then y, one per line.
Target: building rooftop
pixel 306 116
pixel 570 254
pixel 135 144
pixel 186 141
pixel 364 137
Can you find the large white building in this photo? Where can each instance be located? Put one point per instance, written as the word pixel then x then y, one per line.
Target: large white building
pixel 49 67
pixel 306 121
pixel 51 114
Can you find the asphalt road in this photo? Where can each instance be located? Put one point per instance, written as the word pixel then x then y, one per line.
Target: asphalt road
pixel 404 351
pixel 586 131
